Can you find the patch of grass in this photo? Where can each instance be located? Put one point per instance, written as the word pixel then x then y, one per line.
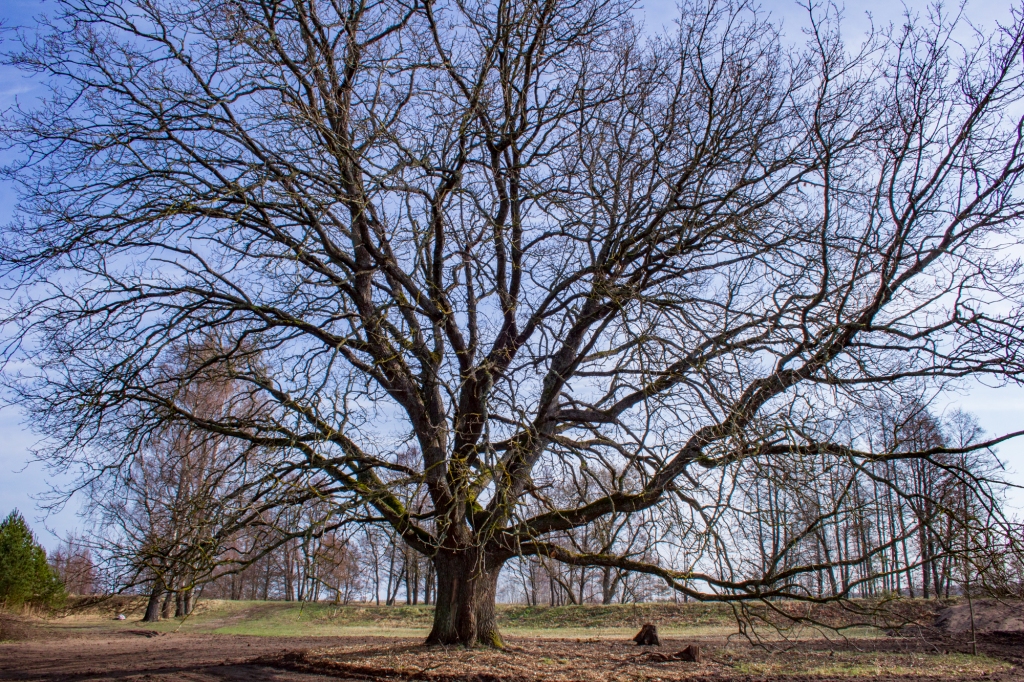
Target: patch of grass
pixel 290 619
pixel 280 618
pixel 315 619
pixel 629 616
pixel 312 619
pixel 107 606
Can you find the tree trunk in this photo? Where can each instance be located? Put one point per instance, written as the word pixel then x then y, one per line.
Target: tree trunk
pixel 609 585
pixel 166 611
pixel 153 607
pixel 464 606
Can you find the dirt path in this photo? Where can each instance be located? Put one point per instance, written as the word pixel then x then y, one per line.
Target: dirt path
pixel 134 656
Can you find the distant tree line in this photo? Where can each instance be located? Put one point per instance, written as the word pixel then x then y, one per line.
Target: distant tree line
pixel 913 527
pixel 195 515
pixel 73 563
pixel 909 528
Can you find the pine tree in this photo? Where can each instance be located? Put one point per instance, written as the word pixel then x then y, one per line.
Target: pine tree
pixel 25 576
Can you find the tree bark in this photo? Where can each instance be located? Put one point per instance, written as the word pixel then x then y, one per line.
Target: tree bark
pixel 153 607
pixel 166 611
pixel 467 585
pixel 609 585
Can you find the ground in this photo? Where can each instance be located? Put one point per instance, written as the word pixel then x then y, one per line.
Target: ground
pixel 293 643
pixel 127 657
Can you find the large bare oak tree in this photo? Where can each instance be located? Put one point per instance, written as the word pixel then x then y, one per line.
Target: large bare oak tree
pixel 520 237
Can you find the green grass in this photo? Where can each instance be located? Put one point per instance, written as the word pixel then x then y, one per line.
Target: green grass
pixel 323 619
pixel 667 616
pixel 319 619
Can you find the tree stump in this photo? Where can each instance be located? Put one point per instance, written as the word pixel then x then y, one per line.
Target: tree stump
pixel 690 653
pixel 648 636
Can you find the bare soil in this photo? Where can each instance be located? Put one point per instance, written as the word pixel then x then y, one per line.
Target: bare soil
pixel 42 652
pixel 984 616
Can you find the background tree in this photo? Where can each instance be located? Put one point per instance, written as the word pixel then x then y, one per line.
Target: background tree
pixel 190 505
pixel 25 577
pixel 517 236
pixel 74 566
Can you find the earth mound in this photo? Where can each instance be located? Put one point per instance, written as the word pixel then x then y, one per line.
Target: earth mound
pixel 990 616
pixel 13 628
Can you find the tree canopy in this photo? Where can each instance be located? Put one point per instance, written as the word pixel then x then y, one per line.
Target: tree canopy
pixel 453 256
pixel 25 576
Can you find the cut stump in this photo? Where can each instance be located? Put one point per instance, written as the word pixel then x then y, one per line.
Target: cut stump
pixel 648 636
pixel 690 654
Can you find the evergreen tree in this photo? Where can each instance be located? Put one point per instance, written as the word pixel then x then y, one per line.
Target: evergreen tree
pixel 25 576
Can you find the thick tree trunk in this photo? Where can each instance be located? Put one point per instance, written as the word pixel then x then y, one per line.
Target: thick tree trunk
pixel 153 607
pixel 466 589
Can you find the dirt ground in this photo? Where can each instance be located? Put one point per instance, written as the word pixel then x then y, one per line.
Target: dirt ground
pixel 881 659
pixel 984 616
pixel 137 655
pixel 132 655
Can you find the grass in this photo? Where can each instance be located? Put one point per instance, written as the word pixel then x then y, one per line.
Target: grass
pixel 320 619
pixel 667 616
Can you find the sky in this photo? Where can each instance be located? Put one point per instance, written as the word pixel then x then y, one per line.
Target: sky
pixel 22 482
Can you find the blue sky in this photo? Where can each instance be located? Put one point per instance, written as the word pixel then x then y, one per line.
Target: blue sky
pixel 999 410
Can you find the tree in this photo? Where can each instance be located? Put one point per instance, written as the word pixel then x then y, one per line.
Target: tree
pixel 170 513
pixel 519 237
pixel 73 564
pixel 25 577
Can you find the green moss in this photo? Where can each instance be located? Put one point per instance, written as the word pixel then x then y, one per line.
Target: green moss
pixel 492 639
